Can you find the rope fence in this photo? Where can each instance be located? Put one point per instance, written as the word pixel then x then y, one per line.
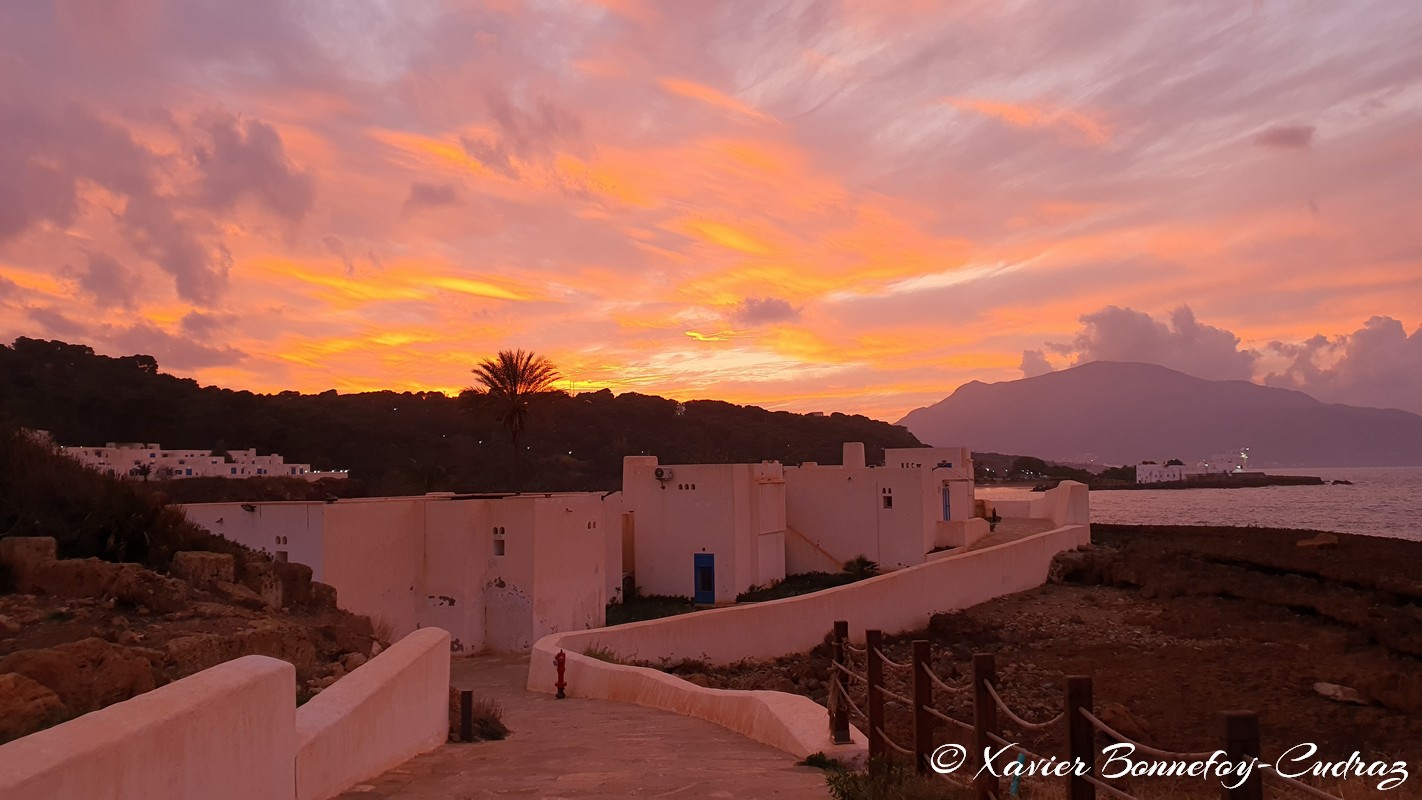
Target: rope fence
pixel 1076 726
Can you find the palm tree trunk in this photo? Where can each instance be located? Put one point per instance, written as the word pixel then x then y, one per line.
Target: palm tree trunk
pixel 517 472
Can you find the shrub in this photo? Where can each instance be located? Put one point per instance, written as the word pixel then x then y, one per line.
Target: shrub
pixel 488 718
pixel 860 568
pixel 820 761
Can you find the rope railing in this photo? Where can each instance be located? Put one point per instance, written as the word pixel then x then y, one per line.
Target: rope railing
pixel 939 715
pixel 1018 721
pixel 891 662
pixel 937 681
pixel 1163 755
pixel 1019 749
pixel 1077 724
pixel 853 707
pixel 895 696
pixel 892 745
pixel 851 673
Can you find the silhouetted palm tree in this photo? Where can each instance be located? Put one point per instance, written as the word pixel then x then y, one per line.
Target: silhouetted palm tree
pixel 512 379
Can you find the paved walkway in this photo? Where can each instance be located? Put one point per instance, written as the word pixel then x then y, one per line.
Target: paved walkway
pixel 579 748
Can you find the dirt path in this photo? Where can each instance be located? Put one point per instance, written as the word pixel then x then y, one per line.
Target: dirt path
pixel 580 748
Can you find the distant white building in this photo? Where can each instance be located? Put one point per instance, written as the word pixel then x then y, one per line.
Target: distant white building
pixel 1224 463
pixel 127 459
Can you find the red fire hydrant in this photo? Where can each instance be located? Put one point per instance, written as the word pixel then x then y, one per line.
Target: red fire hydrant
pixel 560 661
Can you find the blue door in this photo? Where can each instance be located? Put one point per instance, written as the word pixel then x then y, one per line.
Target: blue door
pixel 947 515
pixel 704 566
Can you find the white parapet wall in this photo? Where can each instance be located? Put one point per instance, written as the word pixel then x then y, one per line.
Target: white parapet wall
pixel 384 713
pixel 899 601
pixel 226 733
pixel 1068 503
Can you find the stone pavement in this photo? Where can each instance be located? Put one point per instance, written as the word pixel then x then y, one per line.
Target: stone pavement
pixel 581 748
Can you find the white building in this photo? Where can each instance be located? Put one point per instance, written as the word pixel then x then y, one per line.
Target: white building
pixel 1160 473
pixel 1224 463
pixel 119 459
pixel 705 531
pixel 497 572
pixel 713 531
pixel 921 500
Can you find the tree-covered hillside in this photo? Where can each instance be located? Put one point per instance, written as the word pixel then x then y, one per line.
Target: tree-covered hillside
pixel 408 441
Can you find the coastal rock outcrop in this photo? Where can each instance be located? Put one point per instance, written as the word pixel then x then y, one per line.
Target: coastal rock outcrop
pixel 86 675
pixel 26 705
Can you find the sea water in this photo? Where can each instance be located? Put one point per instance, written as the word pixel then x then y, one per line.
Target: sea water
pixel 1382 501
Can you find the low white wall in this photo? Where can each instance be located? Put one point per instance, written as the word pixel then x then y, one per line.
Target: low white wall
pixel 1068 503
pixel 387 711
pixel 791 625
pixel 789 722
pixel 225 733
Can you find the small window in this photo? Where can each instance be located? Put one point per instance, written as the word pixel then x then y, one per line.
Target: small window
pixel 281 556
pixel 498 547
pixel 888 501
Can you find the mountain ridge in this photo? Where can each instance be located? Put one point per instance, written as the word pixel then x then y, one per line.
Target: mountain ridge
pixel 1125 412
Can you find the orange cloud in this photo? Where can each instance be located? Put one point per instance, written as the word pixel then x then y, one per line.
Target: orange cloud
pixel 1023 115
pixel 715 98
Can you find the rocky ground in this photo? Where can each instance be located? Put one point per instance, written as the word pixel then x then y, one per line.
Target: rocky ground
pixel 80 634
pixel 1320 635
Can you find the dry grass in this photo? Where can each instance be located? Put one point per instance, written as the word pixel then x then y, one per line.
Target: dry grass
pixel 603 654
pixel 488 720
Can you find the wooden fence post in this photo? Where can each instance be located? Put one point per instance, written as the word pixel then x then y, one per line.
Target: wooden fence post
pixel 922 701
pixel 1081 737
pixel 1241 743
pixel 839 708
pixel 466 715
pixel 875 712
pixel 984 723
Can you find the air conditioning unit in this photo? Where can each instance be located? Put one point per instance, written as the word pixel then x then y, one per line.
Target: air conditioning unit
pixel 663 473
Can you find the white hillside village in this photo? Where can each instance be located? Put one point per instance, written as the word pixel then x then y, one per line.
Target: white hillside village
pixel 142 459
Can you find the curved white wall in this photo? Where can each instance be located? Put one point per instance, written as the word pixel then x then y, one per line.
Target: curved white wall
pixel 387 711
pixel 226 733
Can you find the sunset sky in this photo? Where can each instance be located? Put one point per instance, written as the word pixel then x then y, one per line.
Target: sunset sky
pixel 852 206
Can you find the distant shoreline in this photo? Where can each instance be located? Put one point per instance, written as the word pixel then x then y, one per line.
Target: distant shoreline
pixel 1235 480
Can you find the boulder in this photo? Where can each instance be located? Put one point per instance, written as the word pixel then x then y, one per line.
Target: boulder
pixel 86 675
pixel 323 595
pixel 296 585
pixel 188 654
pixel 1340 694
pixel 353 661
pixel 286 641
pixel 202 569
pixel 74 577
pixel 237 594
pixel 138 587
pixel 264 578
pixel 24 554
pixel 1321 540
pixel 27 706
